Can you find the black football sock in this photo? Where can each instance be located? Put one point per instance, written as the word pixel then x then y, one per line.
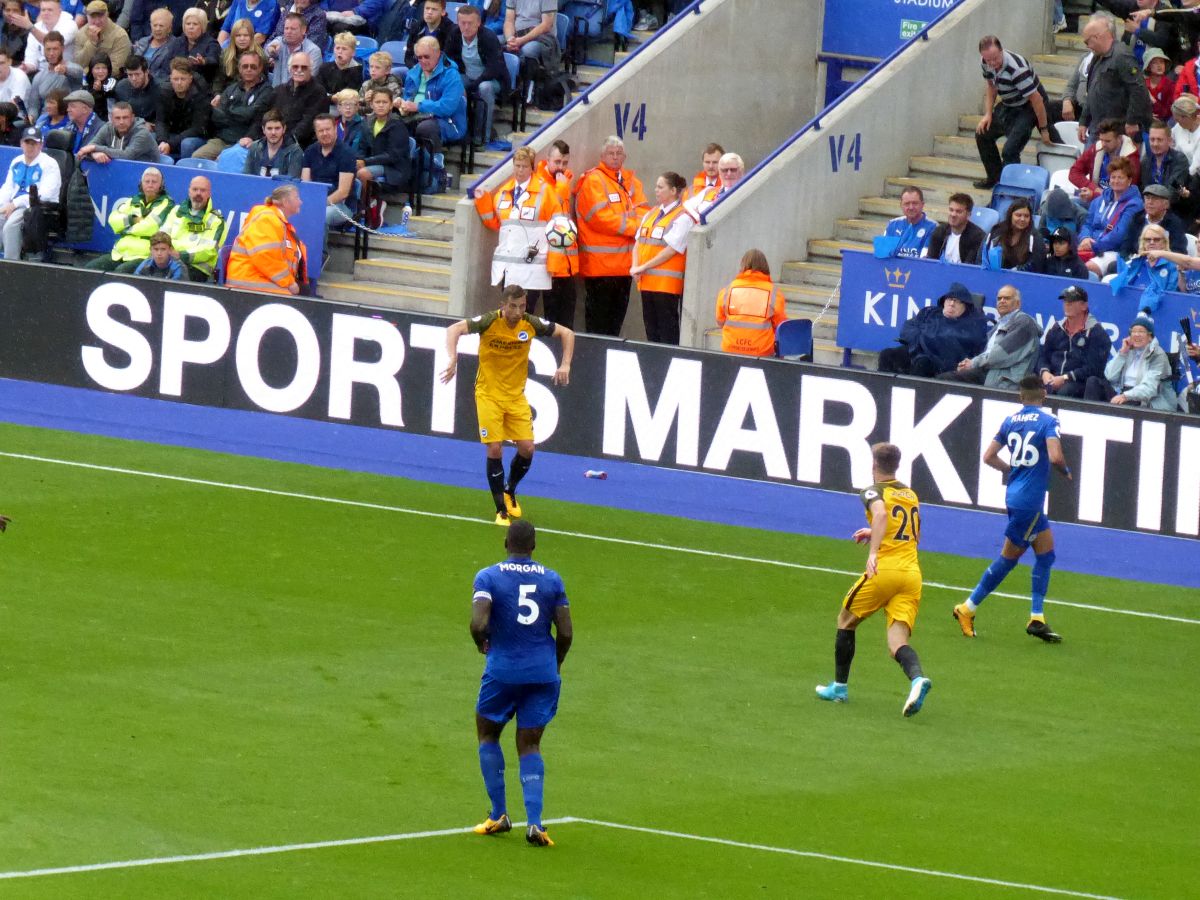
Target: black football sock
pixel 907 657
pixel 495 479
pixel 843 655
pixel 516 471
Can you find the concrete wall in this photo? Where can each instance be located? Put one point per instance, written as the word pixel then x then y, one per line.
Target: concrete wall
pixel 727 74
pixel 798 196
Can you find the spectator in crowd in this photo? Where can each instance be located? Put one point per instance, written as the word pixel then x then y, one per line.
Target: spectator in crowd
pixel 384 144
pixel 276 153
pixel 519 210
pixel 1146 33
pixel 55 114
pixel 292 41
pixel 707 178
pixel 315 26
pixel 32 168
pixel 155 48
pixel 198 46
pixel 1163 165
pixel 101 83
pixel 161 263
pixel 241 41
pixel 379 67
pixel 84 123
pixel 530 29
pixel 1015 243
pixel 750 308
pixel 1075 93
pixel 435 24
pixel 197 231
pixel 1063 259
pixel 960 240
pixel 434 103
pixel 1011 350
pixel 300 99
pixel 1159 85
pixel 1185 79
pixel 349 121
pixel 397 18
pixel 14 34
pixel 480 58
pixel 1089 173
pixel 1152 276
pixel 362 18
pixel 1022 107
pixel 1157 211
pixel 609 202
pixel 343 71
pixel 55 73
pixel 183 113
pixel 10 132
pixel 1139 374
pixel 14 84
pixel 261 14
pixel 124 137
pixel 101 35
pixel 1116 88
pixel 659 259
pixel 1188 266
pixel 938 337
pixel 268 256
pixel 1185 135
pixel 730 170
pixel 1109 218
pixel 134 220
pixel 238 110
pixel 913 230
pixel 138 89
pixel 51 18
pixel 559 306
pixel 135 15
pixel 1075 347
pixel 330 162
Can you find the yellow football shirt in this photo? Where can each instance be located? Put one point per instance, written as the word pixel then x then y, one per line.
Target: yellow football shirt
pixel 899 546
pixel 504 353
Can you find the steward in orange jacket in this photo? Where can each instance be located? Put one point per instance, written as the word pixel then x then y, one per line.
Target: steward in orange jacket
pixel 559 302
pixel 519 210
pixel 267 256
pixel 609 204
pixel 660 257
pixel 750 309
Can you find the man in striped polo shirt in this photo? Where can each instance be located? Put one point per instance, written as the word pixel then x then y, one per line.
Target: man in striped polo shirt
pixel 1021 107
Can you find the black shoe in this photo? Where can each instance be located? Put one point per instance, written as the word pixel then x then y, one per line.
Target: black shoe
pixel 1040 629
pixel 985 184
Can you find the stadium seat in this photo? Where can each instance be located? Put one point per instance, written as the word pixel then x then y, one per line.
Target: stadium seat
pixel 1191 244
pixel 563 33
pixel 513 63
pixel 1018 180
pixel 1060 156
pixel 452 11
pixel 365 46
pixel 396 50
pixel 1068 133
pixel 1060 179
pixel 223 262
pixel 193 162
pixel 985 217
pixel 794 340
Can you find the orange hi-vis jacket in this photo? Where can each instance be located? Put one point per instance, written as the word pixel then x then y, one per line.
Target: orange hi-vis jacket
pixel 700 184
pixel 562 188
pixel 521 222
pixel 748 311
pixel 666 277
pixel 608 207
pixel 267 256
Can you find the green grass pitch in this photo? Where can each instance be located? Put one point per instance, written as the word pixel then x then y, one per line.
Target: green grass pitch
pixel 191 669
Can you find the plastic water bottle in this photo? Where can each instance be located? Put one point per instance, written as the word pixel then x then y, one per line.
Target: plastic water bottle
pixel 595 473
pixel 405 215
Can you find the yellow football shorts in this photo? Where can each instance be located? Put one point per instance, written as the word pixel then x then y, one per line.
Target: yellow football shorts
pixel 504 420
pixel 897 591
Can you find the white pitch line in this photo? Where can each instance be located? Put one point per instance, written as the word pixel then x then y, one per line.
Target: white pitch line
pixel 648 545
pixel 257 851
pixel 810 854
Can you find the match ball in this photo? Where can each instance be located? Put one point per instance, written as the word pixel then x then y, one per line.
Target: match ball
pixel 560 232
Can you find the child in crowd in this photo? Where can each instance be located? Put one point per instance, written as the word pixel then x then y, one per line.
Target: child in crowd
pixel 101 83
pixel 379 64
pixel 349 123
pixel 162 262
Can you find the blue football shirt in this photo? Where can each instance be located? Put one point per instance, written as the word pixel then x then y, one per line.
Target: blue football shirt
pixel 1025 434
pixel 524 596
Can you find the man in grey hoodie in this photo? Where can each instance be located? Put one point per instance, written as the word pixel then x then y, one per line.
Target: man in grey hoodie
pixel 123 137
pixel 1011 350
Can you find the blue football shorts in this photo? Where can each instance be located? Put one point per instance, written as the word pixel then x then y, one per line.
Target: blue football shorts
pixel 533 704
pixel 1024 525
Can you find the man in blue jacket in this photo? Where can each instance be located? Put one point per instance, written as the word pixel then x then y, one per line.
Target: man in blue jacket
pixel 434 105
pixel 936 338
pixel 1075 348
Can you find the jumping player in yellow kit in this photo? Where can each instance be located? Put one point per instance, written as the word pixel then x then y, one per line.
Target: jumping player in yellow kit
pixel 891 581
pixel 505 336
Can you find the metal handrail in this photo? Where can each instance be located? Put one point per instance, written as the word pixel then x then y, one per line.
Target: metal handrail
pixel 814 124
pixel 583 98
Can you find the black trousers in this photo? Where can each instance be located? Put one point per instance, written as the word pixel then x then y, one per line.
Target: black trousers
pixel 559 302
pixel 1098 389
pixel 605 302
pixel 1070 389
pixel 660 315
pixel 1014 123
pixel 897 360
pixel 974 375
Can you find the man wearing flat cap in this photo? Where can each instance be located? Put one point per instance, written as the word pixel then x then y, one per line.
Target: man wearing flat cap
pixel 101 35
pixel 1075 347
pixel 32 169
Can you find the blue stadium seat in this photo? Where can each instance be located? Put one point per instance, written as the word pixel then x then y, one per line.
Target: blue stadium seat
pixel 193 162
pixel 794 339
pixel 985 217
pixel 365 46
pixel 1018 180
pixel 513 63
pixel 452 11
pixel 396 50
pixel 223 262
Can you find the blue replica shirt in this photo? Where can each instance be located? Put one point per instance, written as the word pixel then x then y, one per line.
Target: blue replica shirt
pixel 913 238
pixel 524 596
pixel 1025 434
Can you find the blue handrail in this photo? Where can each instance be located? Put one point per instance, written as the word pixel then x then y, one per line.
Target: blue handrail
pixel 814 124
pixel 694 6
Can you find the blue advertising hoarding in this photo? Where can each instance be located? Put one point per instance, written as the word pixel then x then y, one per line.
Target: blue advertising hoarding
pixel 874 28
pixel 879 295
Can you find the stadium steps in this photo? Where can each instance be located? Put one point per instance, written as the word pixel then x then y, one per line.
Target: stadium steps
pixel 413 273
pixel 950 168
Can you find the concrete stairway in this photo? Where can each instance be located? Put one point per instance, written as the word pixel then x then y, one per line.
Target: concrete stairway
pixel 811 283
pixel 413 273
